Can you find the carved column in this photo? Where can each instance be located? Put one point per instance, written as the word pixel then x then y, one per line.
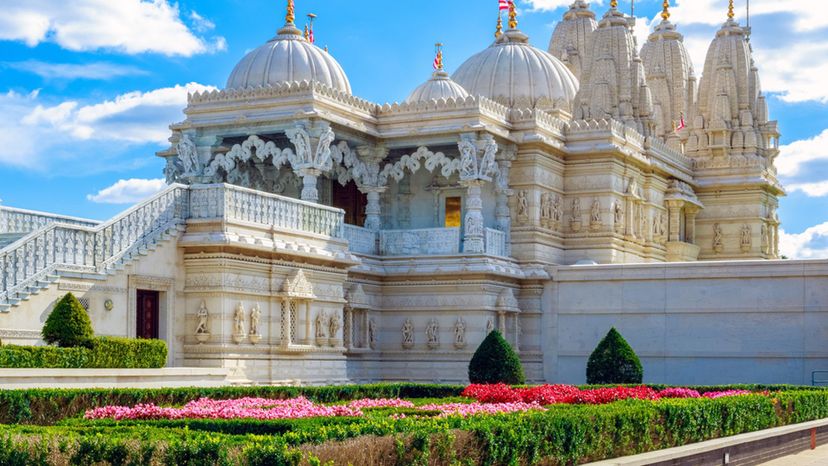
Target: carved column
pixel 690 213
pixel 501 322
pixel 310 177
pixel 473 238
pixel 308 331
pixel 674 207
pixel 373 211
pixel 503 216
pixel 286 317
pixel 348 331
pixel 313 155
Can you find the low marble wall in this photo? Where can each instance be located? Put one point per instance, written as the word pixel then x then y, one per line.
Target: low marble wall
pixel 692 323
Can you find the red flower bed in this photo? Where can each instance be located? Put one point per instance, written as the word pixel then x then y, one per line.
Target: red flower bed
pixel 554 394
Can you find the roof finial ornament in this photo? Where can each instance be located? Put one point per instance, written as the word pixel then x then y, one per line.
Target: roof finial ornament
pixel 499 30
pixel 614 4
pixel 290 17
pixel 438 59
pixel 513 23
pixel 665 14
pixel 730 12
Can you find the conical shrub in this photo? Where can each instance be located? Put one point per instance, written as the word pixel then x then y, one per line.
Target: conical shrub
pixel 496 362
pixel 614 362
pixel 68 325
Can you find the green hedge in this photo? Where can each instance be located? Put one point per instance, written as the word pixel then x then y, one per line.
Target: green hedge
pixel 101 353
pixel 566 434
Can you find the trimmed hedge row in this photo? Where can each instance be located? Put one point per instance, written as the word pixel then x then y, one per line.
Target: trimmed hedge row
pixel 566 434
pixel 98 353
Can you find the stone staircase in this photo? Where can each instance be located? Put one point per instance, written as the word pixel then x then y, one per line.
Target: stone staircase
pixel 32 262
pixel 8 238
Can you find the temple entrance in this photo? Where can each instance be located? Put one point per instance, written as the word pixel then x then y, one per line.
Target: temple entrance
pixel 147 313
pixel 351 200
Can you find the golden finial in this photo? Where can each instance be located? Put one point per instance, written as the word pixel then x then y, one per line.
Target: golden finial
pixel 730 13
pixel 306 33
pixel 665 15
pixel 513 23
pixel 438 61
pixel 291 14
pixel 499 30
pixel 614 4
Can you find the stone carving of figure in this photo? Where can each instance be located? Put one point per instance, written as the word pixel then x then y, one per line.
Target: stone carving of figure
pixel 255 315
pixel 557 210
pixel 618 216
pixel 372 334
pixel 595 213
pixel 489 326
pixel 718 238
pixel 433 334
pixel 746 238
pixel 408 334
pixel 238 318
pixel 334 325
pixel 546 210
pixel 522 206
pixel 321 325
pixel 460 333
pixel 188 154
pixel 203 327
pixel 575 220
pixel 766 246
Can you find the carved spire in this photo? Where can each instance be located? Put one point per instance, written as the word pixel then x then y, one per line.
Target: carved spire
pixel 665 14
pixel 513 23
pixel 730 13
pixel 290 17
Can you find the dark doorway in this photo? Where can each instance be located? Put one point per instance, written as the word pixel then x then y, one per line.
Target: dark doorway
pixel 147 310
pixel 349 199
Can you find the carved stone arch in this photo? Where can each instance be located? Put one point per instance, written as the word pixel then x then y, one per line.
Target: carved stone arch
pixel 422 158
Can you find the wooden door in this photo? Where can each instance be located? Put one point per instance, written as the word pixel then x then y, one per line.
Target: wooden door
pixel 351 200
pixel 147 314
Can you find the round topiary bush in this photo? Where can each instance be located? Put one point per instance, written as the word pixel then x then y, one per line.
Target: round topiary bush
pixel 68 325
pixel 496 362
pixel 614 361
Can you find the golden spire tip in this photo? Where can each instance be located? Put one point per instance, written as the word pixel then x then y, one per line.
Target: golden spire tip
pixel 499 30
pixel 730 13
pixel 438 61
pixel 513 23
pixel 665 14
pixel 290 17
pixel 614 4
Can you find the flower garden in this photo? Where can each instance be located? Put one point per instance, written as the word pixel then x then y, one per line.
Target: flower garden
pixel 384 424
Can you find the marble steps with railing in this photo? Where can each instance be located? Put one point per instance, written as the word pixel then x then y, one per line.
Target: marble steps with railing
pixel 7 239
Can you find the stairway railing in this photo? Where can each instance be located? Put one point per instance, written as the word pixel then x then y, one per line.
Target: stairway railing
pixel 26 221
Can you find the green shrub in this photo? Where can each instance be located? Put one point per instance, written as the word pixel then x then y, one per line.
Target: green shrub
pixel 68 325
pixel 496 362
pixel 614 362
pixel 127 353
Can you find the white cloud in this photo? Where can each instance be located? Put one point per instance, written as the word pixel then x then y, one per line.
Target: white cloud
pixel 810 244
pixel 817 189
pixel 128 191
pixel 200 23
pixel 128 26
pixel 40 135
pixel 796 154
pixel 70 71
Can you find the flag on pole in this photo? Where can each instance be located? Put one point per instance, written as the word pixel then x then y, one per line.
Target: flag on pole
pixel 438 59
pixel 681 124
pixel 504 4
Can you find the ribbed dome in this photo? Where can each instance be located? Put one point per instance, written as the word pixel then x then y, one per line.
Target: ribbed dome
pixel 288 57
pixel 440 86
pixel 511 71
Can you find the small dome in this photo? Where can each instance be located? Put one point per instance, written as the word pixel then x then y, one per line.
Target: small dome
pixel 513 72
pixel 440 86
pixel 288 57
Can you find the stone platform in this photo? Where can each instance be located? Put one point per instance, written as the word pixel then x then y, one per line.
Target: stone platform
pixel 171 377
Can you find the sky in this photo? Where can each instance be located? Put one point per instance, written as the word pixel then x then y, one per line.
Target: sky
pixel 88 88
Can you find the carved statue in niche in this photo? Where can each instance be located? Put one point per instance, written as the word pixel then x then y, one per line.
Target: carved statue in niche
pixel 372 334
pixel 546 210
pixel 321 325
pixel 642 222
pixel 575 220
pixel 460 333
pixel 202 332
pixel 255 315
pixel 746 238
pixel 522 207
pixel 188 154
pixel 595 215
pixel 333 327
pixel 489 326
pixel 433 334
pixel 557 211
pixel 238 324
pixel 408 334
pixel 766 246
pixel 718 239
pixel 618 216
pixel 664 227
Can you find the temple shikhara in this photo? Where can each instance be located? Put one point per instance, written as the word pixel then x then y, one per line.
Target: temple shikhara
pixel 311 236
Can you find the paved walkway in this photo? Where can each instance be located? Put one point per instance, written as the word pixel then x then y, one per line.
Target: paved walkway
pixel 818 457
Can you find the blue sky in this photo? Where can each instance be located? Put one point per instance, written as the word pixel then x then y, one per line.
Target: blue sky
pixel 88 87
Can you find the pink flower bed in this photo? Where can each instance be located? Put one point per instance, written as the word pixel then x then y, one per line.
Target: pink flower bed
pixel 567 394
pixel 472 409
pixel 380 403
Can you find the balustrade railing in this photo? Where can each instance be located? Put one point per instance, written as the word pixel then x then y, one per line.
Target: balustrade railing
pixel 361 240
pixel 26 221
pixel 496 243
pixel 88 249
pixel 248 205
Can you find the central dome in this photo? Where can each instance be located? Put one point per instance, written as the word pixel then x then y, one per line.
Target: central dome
pixel 288 57
pixel 513 72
